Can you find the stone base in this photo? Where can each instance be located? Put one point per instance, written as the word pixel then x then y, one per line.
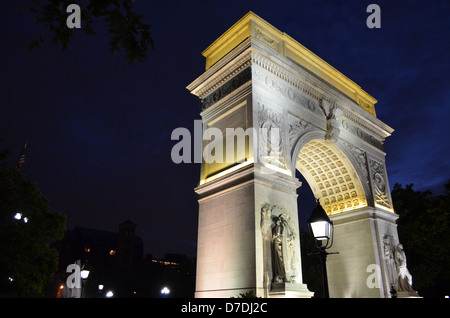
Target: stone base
pixel 289 290
pixel 408 294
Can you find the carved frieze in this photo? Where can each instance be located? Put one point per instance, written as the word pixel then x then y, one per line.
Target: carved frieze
pixel 291 94
pixel 370 139
pixel 228 87
pixel 311 99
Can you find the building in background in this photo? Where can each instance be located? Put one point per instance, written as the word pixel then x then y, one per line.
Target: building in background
pixel 117 264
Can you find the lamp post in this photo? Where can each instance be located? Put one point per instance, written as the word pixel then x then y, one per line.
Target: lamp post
pixel 321 227
pixel 84 276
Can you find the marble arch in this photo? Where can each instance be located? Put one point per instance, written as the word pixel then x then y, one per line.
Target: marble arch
pixel 248 234
pixel 331 176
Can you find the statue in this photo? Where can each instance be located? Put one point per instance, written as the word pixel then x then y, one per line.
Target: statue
pixel 279 273
pixel 404 278
pixel 279 244
pixel 391 267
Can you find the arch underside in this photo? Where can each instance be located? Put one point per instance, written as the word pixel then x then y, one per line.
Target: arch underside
pixel 331 176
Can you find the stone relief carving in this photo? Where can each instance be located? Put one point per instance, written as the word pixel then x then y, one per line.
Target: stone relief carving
pixel 296 128
pixel 270 148
pixel 389 259
pixel 279 244
pixel 379 184
pixel 360 157
pixel 332 113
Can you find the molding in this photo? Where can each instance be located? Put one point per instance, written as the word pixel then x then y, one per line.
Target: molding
pixel 366 213
pixel 228 87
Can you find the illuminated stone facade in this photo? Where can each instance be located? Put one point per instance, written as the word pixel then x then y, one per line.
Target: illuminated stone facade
pixel 259 77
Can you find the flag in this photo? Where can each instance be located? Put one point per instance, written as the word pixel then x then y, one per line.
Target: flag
pixel 21 159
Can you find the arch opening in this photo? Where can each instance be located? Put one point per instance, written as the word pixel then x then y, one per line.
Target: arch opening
pixel 331 177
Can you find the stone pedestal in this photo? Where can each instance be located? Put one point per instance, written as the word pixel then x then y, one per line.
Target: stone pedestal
pixel 289 290
pixel 408 295
pixel 359 270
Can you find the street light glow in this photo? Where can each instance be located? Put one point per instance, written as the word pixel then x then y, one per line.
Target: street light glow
pixel 165 291
pixel 109 294
pixel 84 274
pixel 18 216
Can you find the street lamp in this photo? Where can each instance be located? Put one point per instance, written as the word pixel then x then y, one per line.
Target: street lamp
pixel 84 276
pixel 165 291
pixel 321 227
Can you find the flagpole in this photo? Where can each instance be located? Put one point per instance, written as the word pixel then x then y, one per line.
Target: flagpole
pixel 21 159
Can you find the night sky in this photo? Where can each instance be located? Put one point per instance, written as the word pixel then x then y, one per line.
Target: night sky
pixel 99 128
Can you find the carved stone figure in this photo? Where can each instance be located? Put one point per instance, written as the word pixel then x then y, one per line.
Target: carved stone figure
pixel 279 272
pixel 279 244
pixel 331 113
pixel 388 252
pixel 404 278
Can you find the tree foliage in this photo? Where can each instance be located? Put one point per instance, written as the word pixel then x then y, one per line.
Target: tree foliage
pixel 125 27
pixel 424 232
pixel 27 262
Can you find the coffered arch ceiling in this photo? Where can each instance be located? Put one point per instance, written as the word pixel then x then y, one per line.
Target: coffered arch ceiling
pixel 331 176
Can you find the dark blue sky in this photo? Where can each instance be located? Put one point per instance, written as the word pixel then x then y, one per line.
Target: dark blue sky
pixel 99 129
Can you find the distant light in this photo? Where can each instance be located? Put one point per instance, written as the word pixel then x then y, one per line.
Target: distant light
pixel 61 286
pixel 165 291
pixel 18 216
pixel 446 296
pixel 100 287
pixel 109 294
pixel 10 279
pixel 25 220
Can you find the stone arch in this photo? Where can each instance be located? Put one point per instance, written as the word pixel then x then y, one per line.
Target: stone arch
pixel 258 77
pixel 332 176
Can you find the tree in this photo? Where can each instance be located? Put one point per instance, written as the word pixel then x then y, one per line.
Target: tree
pixel 27 228
pixel 126 28
pixel 423 228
